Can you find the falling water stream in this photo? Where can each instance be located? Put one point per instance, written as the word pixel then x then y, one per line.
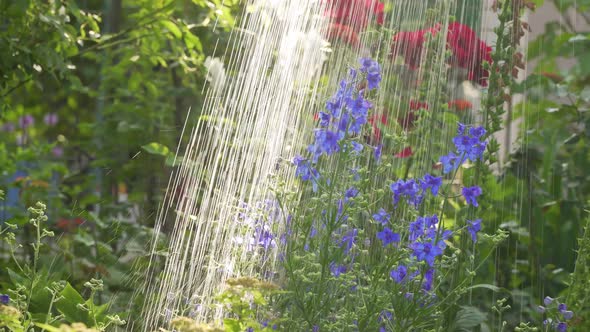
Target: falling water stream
pixel 283 62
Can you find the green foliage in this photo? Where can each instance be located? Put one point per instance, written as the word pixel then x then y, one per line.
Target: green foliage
pixel 578 294
pixel 38 296
pixel 120 76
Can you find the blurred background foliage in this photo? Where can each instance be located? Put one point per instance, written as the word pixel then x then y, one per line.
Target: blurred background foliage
pixel 93 97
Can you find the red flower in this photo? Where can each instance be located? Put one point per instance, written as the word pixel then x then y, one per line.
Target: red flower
pixel 460 105
pixel 469 52
pixel 343 33
pixel 416 105
pixel 374 120
pixel 67 225
pixel 405 153
pixel 354 13
pixel 409 45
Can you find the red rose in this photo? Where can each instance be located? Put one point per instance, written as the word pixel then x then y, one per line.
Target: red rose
pixel 469 52
pixel 354 13
pixel 409 45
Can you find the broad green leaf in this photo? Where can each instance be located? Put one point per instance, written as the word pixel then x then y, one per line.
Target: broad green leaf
pixel 16 278
pixel 156 148
pixel 68 305
pixel 468 318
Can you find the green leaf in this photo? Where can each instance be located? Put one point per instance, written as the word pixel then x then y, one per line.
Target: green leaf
pixel 68 305
pixel 156 148
pixel 47 327
pixel 173 160
pixel 16 278
pixel 171 26
pixel 193 41
pixel 493 288
pixel 231 325
pixel 468 318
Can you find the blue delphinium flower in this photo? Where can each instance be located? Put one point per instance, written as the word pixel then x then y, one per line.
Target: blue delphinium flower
pixel 416 229
pixel 428 280
pixel 562 307
pixel 431 221
pixel 377 153
pixel 410 189
pixel 471 194
pixel 325 119
pixel 326 142
pixel 460 129
pixel 473 227
pixel 469 146
pixel 547 300
pixel 426 251
pixel 381 217
pixel 463 143
pixel 450 162
pixel 304 169
pixel 337 270
pixel 264 238
pixel 4 299
pixel 561 327
pixel 351 192
pixel 385 315
pixel 359 107
pixel 341 210
pixel 373 71
pixel 567 314
pixel 387 237
pixel 431 182
pixel 477 132
pixel 356 147
pixel 348 240
pixel 399 275
pixel 359 111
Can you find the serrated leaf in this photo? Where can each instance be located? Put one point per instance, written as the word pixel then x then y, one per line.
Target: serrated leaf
pixel 156 148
